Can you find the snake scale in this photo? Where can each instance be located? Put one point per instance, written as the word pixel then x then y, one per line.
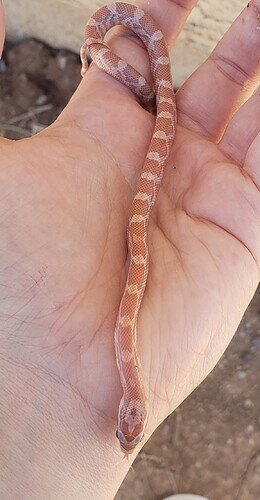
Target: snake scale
pixel 133 413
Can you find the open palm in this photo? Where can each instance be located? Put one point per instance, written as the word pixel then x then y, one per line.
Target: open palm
pixel 65 211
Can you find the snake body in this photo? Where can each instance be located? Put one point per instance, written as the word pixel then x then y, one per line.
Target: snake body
pixel 132 414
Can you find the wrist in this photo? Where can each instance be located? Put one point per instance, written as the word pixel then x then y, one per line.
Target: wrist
pixel 50 446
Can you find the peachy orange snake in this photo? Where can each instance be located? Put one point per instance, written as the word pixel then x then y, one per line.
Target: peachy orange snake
pixel 132 414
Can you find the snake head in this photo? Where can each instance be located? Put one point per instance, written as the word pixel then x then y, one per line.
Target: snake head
pixel 131 424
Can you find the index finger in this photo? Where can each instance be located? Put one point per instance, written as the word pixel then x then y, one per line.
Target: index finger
pixel 170 15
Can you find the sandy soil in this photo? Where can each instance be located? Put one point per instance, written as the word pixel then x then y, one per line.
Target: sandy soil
pixel 210 445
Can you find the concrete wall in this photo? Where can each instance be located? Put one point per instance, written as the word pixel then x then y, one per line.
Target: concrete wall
pixel 60 23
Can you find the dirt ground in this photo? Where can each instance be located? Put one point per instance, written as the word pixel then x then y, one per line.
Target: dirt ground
pixel 210 445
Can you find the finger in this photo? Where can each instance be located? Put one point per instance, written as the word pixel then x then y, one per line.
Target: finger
pixel 170 15
pixel 2 27
pixel 252 161
pixel 220 86
pixel 242 130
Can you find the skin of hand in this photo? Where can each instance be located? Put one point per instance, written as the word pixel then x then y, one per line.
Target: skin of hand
pixel 64 206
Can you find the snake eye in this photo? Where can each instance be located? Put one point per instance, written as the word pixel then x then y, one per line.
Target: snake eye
pixel 117 434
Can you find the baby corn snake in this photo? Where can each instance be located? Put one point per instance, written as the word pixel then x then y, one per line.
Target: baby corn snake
pixel 132 413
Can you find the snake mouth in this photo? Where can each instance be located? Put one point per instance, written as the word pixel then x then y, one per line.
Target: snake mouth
pixel 128 446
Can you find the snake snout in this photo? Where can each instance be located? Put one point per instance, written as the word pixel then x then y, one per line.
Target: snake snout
pixel 128 442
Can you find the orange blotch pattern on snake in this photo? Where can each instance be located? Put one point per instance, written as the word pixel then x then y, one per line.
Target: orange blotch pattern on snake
pixel 132 414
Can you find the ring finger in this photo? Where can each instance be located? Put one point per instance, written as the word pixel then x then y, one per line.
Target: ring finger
pixel 225 81
pixel 242 130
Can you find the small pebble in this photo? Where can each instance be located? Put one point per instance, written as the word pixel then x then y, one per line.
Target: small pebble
pixel 228 482
pixel 185 496
pixel 232 389
pixel 42 99
pixel 241 375
pixel 61 62
pixel 248 403
pixel 250 428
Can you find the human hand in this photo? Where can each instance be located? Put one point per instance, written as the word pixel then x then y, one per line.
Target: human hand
pixel 67 196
